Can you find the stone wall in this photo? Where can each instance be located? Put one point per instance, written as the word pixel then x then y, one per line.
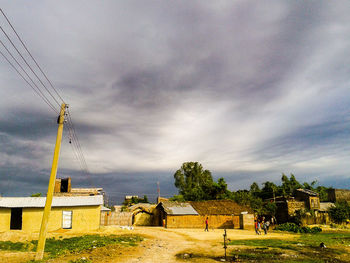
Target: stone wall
pixel 294 205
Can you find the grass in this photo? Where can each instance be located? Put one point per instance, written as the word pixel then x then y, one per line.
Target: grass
pixel 304 248
pixel 74 245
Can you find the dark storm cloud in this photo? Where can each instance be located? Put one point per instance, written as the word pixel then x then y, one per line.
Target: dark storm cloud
pixel 249 88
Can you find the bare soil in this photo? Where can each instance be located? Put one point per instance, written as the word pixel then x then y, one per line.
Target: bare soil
pixel 159 245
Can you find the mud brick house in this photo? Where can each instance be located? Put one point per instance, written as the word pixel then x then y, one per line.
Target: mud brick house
pixel 63 187
pixel 221 214
pixel 302 199
pixel 335 195
pixel 79 213
pixel 311 199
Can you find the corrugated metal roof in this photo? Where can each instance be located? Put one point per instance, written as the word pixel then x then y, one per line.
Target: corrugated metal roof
pixel 177 208
pixel 307 191
pixel 11 202
pixel 103 208
pixel 324 206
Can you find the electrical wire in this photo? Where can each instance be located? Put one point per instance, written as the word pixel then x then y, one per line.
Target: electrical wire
pixel 36 63
pixel 31 69
pixel 76 146
pixel 38 92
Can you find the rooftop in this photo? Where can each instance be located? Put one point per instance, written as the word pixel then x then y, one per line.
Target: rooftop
pixel 177 208
pixel 219 207
pixel 12 202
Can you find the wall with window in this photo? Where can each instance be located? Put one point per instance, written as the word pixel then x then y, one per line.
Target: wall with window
pixel 84 218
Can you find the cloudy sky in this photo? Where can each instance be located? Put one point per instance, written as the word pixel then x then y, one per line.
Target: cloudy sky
pixel 250 89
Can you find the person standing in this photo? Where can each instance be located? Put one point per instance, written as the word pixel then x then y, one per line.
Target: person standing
pixel 206 225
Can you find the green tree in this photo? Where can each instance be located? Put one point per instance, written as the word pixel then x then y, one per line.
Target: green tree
pixel 269 190
pixel 289 185
pixel 194 183
pixel 340 212
pixel 255 189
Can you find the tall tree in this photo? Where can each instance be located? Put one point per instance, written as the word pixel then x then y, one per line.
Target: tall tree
pixel 194 183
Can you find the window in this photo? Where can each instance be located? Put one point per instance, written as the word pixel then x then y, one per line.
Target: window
pixel 64 185
pixel 16 219
pixel 67 219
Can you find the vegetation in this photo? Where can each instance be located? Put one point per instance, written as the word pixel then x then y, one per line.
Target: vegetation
pixel 304 248
pixel 340 212
pixel 135 200
pixel 291 227
pixel 36 195
pixel 195 184
pixel 57 247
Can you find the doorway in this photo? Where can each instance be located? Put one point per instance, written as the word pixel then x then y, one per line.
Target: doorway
pixel 16 219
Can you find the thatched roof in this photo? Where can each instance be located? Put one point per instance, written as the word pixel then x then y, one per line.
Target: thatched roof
pixel 219 207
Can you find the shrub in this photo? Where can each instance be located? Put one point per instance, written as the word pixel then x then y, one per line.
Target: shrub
pixel 291 227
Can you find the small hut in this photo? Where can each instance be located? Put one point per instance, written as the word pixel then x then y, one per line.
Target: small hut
pixel 193 214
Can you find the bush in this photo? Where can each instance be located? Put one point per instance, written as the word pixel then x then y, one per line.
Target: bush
pixel 340 212
pixel 291 227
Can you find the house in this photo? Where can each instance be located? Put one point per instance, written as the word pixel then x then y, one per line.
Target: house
pixel 176 215
pixel 79 213
pixel 192 214
pixel 225 214
pixel 335 195
pixel 311 199
pixel 63 187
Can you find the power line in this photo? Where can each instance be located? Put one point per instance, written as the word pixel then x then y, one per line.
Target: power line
pixel 36 63
pixel 76 147
pixel 31 69
pixel 38 92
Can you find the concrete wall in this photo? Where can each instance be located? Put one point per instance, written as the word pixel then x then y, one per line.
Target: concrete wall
pixel 84 218
pixel 5 217
pixel 246 221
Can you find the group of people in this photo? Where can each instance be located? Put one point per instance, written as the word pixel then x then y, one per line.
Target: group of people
pixel 262 224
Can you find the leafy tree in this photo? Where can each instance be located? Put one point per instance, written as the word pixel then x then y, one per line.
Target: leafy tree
pixel 289 185
pixel 340 212
pixel 269 190
pixel 271 208
pixel 255 189
pixel 145 199
pixel 194 183
pixel 219 190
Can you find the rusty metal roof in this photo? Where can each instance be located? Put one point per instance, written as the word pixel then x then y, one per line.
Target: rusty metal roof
pixel 178 208
pixel 12 202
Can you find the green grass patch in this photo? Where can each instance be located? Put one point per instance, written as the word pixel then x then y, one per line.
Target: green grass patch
pixel 17 246
pixel 303 248
pixel 57 247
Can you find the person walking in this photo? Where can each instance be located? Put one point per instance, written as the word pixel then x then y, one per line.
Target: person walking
pixel 264 226
pixel 206 225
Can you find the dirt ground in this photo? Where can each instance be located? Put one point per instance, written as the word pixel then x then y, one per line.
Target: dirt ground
pixel 159 245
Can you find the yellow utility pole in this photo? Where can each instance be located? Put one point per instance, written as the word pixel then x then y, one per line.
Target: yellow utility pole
pixel 43 229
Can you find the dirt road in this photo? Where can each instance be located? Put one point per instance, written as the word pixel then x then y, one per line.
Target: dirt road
pixel 159 245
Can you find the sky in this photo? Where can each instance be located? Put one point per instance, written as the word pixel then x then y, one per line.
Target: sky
pixel 250 89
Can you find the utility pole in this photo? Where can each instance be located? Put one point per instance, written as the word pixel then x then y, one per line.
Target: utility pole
pixel 43 229
pixel 158 191
pixel 225 247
